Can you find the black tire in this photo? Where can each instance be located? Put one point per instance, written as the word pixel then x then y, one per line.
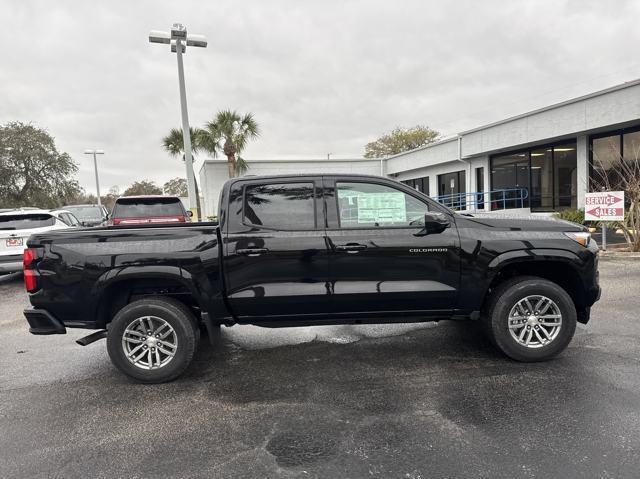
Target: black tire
pixel 173 312
pixel 505 297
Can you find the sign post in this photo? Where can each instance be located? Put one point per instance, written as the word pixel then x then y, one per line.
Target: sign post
pixel 604 206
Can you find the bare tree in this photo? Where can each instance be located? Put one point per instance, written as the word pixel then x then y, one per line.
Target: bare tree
pixel 616 172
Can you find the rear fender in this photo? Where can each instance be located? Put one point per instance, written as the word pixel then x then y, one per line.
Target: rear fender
pixel 129 273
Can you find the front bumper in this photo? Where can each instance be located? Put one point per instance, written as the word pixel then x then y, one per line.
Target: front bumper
pixel 11 263
pixel 42 322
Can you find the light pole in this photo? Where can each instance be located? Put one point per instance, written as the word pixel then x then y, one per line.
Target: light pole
pixel 179 40
pixel 95 166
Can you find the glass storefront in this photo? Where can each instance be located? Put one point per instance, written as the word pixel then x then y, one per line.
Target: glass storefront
pixel 607 150
pixel 543 179
pixel 510 173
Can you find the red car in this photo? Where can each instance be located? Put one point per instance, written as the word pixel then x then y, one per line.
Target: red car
pixel 138 210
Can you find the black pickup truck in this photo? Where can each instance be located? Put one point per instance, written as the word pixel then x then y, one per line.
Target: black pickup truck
pixel 311 250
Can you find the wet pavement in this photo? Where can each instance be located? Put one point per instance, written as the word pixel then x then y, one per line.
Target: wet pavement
pixel 406 401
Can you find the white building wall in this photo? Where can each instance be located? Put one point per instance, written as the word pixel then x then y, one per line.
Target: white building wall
pixel 599 110
pixel 436 154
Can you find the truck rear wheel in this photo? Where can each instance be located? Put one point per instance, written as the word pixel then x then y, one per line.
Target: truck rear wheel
pixel 153 340
pixel 531 319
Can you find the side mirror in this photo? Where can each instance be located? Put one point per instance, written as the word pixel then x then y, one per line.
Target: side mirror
pixel 190 213
pixel 434 222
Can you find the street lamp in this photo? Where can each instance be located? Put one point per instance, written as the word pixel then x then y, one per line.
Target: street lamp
pixel 179 41
pixel 95 166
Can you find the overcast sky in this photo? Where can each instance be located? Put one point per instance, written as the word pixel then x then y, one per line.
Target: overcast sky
pixel 320 76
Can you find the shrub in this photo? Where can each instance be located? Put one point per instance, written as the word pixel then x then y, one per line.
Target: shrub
pixel 575 216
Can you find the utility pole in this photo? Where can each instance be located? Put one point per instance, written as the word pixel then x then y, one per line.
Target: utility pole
pixel 95 167
pixel 179 40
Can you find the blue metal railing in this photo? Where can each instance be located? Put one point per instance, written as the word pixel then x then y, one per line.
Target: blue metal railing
pixel 496 199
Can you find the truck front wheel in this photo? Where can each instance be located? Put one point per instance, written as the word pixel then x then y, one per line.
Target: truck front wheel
pixel 153 340
pixel 531 319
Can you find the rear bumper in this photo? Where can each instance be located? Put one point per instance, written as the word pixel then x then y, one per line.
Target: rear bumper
pixel 42 322
pixel 11 263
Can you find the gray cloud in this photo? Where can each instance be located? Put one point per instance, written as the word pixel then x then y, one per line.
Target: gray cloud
pixel 320 76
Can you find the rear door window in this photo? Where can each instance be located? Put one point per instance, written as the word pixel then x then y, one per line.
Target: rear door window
pixel 147 207
pixel 26 222
pixel 280 206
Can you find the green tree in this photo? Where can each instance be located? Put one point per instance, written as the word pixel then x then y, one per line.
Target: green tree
pixel 173 143
pixel 400 140
pixel 32 171
pixel 144 187
pixel 176 187
pixel 109 200
pixel 229 132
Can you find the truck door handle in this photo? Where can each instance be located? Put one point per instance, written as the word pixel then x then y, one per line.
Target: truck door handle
pixel 351 247
pixel 252 251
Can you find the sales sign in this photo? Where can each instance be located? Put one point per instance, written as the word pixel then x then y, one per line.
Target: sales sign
pixel 604 206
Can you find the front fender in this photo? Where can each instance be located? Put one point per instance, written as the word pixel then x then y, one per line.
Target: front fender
pixel 535 254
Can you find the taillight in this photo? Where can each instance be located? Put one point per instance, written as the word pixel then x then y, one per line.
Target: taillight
pixel 30 275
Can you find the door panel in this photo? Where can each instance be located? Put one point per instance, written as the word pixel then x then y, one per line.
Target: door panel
pixel 276 261
pixel 397 268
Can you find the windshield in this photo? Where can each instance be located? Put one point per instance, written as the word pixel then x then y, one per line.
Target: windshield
pixel 85 212
pixel 147 207
pixel 25 222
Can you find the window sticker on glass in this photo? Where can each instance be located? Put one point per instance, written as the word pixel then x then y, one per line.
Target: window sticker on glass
pixel 365 205
pixel 381 208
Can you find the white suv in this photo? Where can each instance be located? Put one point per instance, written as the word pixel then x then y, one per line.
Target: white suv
pixel 15 228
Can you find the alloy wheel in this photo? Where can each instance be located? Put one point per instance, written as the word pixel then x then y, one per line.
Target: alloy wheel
pixel 535 321
pixel 149 342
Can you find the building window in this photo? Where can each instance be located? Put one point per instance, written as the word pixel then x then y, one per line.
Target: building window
pixel 541 192
pixel 510 176
pixel 607 150
pixel 543 179
pixel 419 184
pixel 565 180
pixel 452 189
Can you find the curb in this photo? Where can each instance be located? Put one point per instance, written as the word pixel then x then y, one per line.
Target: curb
pixel 603 256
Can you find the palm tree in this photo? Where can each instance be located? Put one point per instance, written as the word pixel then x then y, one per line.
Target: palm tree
pixel 229 133
pixel 173 143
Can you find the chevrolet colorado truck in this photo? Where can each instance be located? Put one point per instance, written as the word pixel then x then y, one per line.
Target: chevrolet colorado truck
pixel 301 250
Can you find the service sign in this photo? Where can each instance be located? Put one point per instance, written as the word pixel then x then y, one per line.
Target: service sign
pixel 604 206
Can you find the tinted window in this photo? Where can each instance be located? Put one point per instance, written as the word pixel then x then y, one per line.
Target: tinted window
pixel 24 222
pixel 285 206
pixel 147 207
pixel 86 212
pixel 366 205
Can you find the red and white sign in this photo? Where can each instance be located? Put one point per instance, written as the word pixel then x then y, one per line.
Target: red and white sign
pixel 604 206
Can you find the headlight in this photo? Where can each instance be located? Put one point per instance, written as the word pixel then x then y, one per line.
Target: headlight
pixel 582 237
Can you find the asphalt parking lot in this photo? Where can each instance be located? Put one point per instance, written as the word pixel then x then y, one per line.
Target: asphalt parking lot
pixel 401 401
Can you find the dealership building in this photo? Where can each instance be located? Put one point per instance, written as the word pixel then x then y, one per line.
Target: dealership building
pixel 543 160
